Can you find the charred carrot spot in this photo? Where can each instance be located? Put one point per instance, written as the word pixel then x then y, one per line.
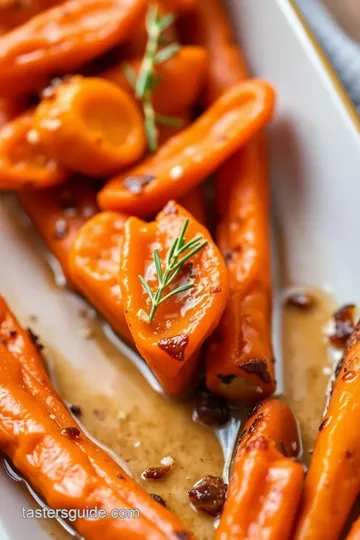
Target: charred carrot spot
pixel 175 346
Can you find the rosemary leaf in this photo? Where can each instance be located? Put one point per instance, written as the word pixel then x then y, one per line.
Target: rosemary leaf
pixel 168 120
pixel 129 74
pixel 166 53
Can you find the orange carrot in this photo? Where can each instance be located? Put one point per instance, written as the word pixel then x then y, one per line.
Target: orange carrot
pixel 9 109
pixel 23 163
pixel 333 480
pixel 13 13
pixel 171 95
pixel 170 341
pixel 90 126
pixel 189 157
pixel 266 482
pixel 354 534
pixel 58 213
pixel 82 474
pixel 62 39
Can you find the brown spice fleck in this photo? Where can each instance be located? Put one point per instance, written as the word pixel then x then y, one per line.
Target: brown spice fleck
pixel 35 339
pixel 344 325
pixel 155 473
pixel 258 367
pixel 99 413
pixel 182 535
pixel 324 424
pixel 12 333
pixel 211 409
pixel 136 184
pixel 75 409
pixel 226 379
pixel 175 346
pixel 209 494
pixel 72 432
pixel 61 229
pixel 301 300
pixel 120 476
pixel 158 499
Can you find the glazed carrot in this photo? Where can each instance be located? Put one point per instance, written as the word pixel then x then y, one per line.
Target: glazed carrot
pixel 171 94
pixel 169 339
pixel 239 360
pixel 266 482
pixel 94 260
pixel 208 26
pixel 9 109
pixel 58 213
pixel 13 13
pixel 354 533
pixel 62 39
pixel 333 480
pixel 90 126
pixel 82 474
pixel 23 163
pixel 189 157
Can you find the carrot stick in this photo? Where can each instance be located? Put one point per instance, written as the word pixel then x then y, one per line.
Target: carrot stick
pixel 171 95
pixel 90 126
pixel 266 482
pixel 192 155
pixel 13 13
pixel 239 358
pixel 23 163
pixel 82 474
pixel 58 213
pixel 62 39
pixel 354 533
pixel 170 341
pixel 333 480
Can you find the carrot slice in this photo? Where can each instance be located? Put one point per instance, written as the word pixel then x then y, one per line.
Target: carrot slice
pixel 82 475
pixel 333 480
pixel 266 482
pixel 13 13
pixel 62 39
pixel 58 214
pixel 239 360
pixel 189 157
pixel 90 126
pixel 170 343
pixel 171 95
pixel 23 163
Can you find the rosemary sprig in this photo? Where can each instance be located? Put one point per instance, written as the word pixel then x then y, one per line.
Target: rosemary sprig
pixel 146 81
pixel 173 267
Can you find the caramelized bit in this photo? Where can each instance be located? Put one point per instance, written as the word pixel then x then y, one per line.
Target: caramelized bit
pixel 324 424
pixel 227 379
pixel 209 494
pixel 258 367
pixel 99 413
pixel 158 499
pixel 155 473
pixel 75 409
pixel 211 409
pixel 302 301
pixel 72 432
pixel 175 346
pixel 182 535
pixel 35 339
pixel 254 410
pixel 344 325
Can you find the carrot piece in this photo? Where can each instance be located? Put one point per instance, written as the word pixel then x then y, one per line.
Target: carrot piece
pixel 333 480
pixel 189 157
pixel 90 126
pixel 265 483
pixel 82 474
pixel 208 26
pixel 22 163
pixel 170 343
pixel 239 360
pixel 9 109
pixel 171 94
pixel 94 260
pixel 354 533
pixel 13 13
pixel 63 38
pixel 58 213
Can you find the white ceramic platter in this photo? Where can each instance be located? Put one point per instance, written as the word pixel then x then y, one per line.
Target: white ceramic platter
pixel 315 141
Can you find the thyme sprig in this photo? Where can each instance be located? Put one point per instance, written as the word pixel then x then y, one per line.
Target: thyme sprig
pixel 146 81
pixel 173 266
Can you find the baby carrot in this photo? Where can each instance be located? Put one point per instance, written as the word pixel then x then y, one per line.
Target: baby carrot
pixel 62 39
pixel 58 213
pixel 189 157
pixel 168 327
pixel 22 162
pixel 239 360
pixel 82 475
pixel 90 126
pixel 333 480
pixel 266 482
pixel 171 94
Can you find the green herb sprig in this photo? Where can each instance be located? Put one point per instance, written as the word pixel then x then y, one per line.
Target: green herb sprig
pixel 173 267
pixel 146 81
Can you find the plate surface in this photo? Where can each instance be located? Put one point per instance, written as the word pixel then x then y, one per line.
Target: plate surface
pixel 315 140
